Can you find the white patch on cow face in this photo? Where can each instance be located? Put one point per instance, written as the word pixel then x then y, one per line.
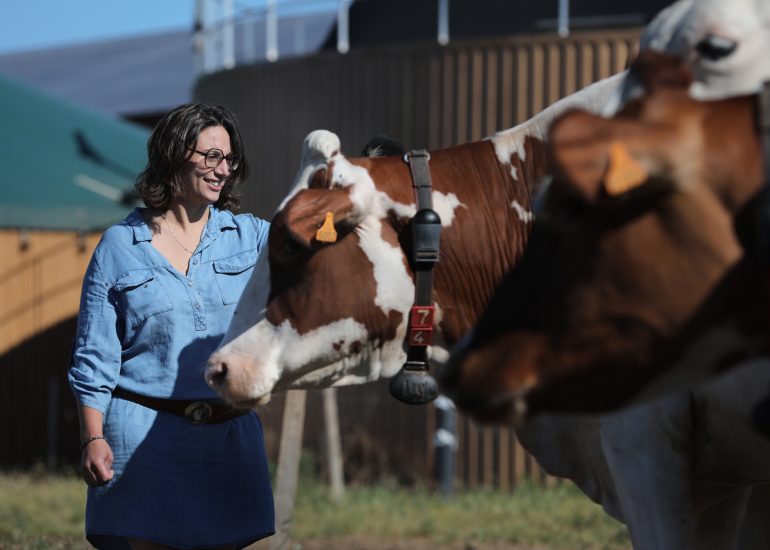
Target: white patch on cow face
pixel 679 29
pixel 744 22
pixel 524 215
pixel 318 358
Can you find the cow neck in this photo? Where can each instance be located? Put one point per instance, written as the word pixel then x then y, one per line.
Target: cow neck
pixel 413 384
pixel 759 249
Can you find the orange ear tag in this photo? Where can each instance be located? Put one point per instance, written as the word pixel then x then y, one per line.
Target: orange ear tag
pixel 624 172
pixel 326 233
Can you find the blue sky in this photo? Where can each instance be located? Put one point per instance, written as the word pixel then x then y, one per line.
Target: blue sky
pixel 34 24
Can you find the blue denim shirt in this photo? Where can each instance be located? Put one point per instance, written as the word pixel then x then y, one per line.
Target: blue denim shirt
pixel 150 329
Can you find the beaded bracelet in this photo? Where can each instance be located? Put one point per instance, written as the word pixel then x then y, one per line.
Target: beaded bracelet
pixel 90 439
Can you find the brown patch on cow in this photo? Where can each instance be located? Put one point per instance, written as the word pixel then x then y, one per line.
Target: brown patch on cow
pixel 306 212
pixel 320 178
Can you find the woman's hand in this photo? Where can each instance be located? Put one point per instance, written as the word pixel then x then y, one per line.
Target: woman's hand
pixel 96 463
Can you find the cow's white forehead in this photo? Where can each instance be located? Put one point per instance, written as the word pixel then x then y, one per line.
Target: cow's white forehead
pixel 679 28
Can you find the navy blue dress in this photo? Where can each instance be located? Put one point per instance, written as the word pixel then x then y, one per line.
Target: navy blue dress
pixel 149 329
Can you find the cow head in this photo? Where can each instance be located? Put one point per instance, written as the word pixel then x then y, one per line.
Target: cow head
pixel 633 266
pixel 723 43
pixel 324 312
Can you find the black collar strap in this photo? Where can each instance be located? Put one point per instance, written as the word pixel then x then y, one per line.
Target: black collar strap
pixel 413 384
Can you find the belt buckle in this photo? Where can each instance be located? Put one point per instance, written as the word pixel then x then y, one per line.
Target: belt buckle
pixel 198 412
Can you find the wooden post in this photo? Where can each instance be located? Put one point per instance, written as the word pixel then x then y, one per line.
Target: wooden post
pixel 333 444
pixel 287 475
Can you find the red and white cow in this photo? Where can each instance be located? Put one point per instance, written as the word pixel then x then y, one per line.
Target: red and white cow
pixel 317 314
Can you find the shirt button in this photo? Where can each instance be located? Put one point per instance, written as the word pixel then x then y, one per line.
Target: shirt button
pixel 195 261
pixel 197 306
pixel 189 283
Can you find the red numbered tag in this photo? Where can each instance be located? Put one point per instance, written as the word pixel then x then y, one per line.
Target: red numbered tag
pixel 421 326
pixel 422 317
pixel 420 336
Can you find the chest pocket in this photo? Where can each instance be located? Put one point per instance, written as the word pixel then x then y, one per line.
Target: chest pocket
pixel 140 295
pixel 232 274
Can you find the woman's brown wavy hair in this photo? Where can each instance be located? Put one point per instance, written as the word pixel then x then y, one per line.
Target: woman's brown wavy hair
pixel 169 148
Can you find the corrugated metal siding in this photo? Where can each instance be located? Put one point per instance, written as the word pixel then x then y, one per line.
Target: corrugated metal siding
pixel 426 96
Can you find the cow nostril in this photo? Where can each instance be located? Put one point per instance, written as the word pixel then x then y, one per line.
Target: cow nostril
pixel 715 47
pixel 216 374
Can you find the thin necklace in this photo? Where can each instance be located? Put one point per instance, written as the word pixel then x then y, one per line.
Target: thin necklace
pixel 174 235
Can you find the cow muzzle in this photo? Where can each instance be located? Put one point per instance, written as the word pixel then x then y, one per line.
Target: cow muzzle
pixel 230 376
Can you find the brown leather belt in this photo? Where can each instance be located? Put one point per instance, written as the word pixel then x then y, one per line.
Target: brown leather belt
pixel 195 412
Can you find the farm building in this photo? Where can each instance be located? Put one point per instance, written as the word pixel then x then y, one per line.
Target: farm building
pixel 497 64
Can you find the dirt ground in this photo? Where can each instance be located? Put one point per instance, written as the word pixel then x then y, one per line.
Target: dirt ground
pixel 371 543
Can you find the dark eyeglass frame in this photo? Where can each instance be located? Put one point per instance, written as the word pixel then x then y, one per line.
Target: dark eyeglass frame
pixel 211 160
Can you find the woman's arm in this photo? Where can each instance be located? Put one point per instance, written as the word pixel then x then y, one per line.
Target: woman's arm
pixel 96 454
pixel 93 372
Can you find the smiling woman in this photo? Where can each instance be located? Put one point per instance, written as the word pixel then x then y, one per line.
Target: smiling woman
pixel 168 464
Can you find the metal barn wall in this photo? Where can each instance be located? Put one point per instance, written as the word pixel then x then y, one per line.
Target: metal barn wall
pixel 426 96
pixel 40 280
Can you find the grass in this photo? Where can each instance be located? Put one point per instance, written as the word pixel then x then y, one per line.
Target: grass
pixel 560 517
pixel 40 512
pixel 47 512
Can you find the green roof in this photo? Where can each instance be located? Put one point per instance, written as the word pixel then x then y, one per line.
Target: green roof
pixel 64 167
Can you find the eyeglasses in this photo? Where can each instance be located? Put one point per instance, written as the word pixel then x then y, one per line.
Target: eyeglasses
pixel 214 157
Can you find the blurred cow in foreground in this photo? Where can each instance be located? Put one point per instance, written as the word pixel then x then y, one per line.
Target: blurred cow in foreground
pixel 634 281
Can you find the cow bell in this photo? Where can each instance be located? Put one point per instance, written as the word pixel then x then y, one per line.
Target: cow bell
pixel 426 233
pixel 413 384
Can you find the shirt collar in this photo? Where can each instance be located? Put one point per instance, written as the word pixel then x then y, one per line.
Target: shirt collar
pixel 218 221
pixel 141 230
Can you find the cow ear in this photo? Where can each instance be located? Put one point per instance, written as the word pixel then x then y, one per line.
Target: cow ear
pixel 320 179
pixel 578 152
pixel 311 210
